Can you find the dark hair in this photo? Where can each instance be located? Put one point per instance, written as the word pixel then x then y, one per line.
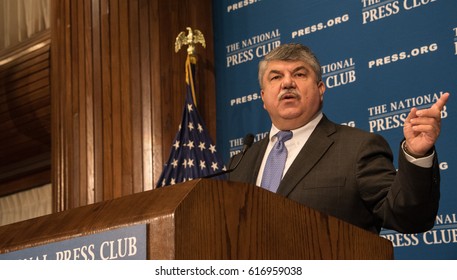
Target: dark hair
pixel 291 52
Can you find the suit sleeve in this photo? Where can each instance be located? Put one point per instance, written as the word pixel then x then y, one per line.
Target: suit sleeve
pixel 406 200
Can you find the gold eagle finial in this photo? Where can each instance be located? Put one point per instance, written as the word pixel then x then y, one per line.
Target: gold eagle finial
pixel 191 39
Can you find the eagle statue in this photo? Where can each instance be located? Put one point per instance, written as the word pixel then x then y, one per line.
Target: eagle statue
pixel 191 39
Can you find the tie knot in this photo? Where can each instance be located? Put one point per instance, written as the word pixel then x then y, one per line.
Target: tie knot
pixel 284 135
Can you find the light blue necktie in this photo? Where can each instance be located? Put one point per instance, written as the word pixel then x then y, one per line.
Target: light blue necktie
pixel 276 161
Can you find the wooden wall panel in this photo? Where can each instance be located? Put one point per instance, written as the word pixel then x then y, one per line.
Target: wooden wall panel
pixel 25 115
pixel 118 91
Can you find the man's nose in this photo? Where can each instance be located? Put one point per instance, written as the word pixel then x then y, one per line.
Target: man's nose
pixel 288 82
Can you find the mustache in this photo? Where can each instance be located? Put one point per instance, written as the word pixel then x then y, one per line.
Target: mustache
pixel 288 93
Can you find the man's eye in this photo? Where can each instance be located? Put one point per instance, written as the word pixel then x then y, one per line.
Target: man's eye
pixel 275 77
pixel 300 74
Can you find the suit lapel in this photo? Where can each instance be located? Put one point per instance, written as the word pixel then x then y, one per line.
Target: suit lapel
pixel 316 146
pixel 254 157
pixel 262 147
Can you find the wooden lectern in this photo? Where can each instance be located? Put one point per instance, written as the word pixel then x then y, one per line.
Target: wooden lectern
pixel 209 219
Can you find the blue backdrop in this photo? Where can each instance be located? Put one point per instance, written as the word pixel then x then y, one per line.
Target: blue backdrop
pixel 379 59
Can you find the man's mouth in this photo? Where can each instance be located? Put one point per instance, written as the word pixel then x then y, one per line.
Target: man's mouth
pixel 288 95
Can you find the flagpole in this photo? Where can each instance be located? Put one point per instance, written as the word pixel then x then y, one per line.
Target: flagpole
pixel 191 61
pixel 192 38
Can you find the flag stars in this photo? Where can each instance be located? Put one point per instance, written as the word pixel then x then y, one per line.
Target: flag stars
pixel 214 166
pixel 192 153
pixel 202 146
pixel 188 163
pixel 190 145
pixel 200 128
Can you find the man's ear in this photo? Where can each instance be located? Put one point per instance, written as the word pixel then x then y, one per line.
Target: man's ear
pixel 261 95
pixel 321 87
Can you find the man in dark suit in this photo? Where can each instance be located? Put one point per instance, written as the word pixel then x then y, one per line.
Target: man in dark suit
pixel 342 171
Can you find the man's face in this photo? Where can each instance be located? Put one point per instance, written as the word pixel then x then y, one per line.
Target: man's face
pixel 291 93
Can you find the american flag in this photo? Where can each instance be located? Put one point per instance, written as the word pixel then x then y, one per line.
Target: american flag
pixel 193 154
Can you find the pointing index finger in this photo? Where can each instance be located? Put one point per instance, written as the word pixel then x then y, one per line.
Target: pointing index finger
pixel 441 102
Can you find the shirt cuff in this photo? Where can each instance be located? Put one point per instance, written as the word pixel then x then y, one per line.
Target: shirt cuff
pixel 424 162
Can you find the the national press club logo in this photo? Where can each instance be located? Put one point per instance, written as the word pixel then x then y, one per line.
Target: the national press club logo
pixel 392 115
pixel 339 73
pixel 374 10
pixel 443 233
pixel 256 46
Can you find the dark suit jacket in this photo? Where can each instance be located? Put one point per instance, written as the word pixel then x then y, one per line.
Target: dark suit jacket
pixel 348 173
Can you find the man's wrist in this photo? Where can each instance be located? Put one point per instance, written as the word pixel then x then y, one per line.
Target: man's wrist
pixel 405 149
